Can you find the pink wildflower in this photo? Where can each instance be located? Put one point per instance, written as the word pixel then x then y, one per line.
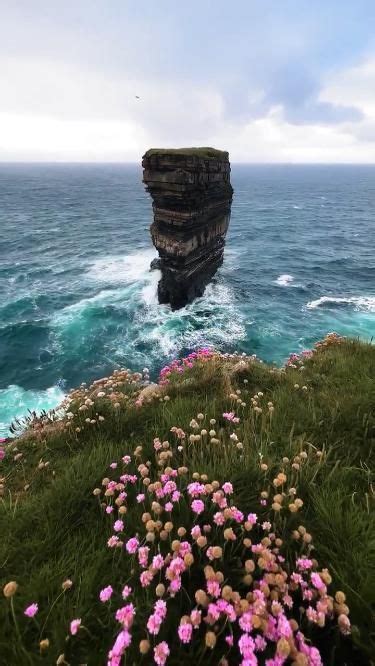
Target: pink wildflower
pixel 154 624
pixel 74 626
pixel 126 592
pixel 317 581
pixel 228 488
pixel 125 615
pixel 246 645
pixel 118 526
pixel 161 653
pixel 106 593
pixel 197 506
pixel 260 643
pixel 304 563
pixel 157 562
pixel 195 489
pixel 196 618
pixel 245 622
pixel 143 556
pixel 175 586
pixel 132 545
pixel 185 632
pixel 2 454
pixel 219 518
pixel 157 444
pixel 252 518
pixel 145 578
pixel 160 608
pixel 122 641
pixel 196 532
pixel 213 588
pixel 31 610
pixel 237 515
pixel 213 613
pixel 140 498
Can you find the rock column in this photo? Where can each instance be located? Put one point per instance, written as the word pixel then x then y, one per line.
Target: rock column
pixel 192 195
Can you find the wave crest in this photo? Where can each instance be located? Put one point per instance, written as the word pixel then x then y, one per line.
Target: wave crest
pixel 15 402
pixel 362 303
pixel 284 279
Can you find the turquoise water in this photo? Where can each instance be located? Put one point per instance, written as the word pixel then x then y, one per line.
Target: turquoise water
pixel 77 298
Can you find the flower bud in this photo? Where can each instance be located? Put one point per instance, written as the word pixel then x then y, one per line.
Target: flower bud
pixel 144 646
pixel 160 590
pixel 10 589
pixel 44 644
pixel 189 559
pixel 210 639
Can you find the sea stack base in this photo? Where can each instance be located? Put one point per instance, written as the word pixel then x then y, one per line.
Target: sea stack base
pixel 192 195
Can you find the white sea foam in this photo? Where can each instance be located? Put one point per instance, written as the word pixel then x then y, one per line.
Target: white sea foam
pixel 15 401
pixel 150 332
pixel 363 303
pixel 72 312
pixel 211 319
pixel 284 280
pixel 120 269
pixel 150 290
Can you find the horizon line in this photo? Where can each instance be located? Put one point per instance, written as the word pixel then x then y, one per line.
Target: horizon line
pixel 138 163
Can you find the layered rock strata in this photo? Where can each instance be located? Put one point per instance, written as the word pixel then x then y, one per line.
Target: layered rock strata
pixel 192 195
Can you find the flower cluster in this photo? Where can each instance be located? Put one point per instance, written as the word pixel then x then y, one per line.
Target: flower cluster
pixel 181 364
pixel 297 360
pixel 212 576
pixel 329 340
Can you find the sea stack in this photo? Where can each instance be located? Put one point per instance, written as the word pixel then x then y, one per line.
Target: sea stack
pixel 191 195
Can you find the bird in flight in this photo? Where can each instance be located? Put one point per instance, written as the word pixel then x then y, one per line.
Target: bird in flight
pixel 137 97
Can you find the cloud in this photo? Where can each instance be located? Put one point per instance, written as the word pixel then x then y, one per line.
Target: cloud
pixel 268 82
pixel 357 84
pixel 297 90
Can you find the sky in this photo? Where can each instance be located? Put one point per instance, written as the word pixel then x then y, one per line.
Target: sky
pixel 269 80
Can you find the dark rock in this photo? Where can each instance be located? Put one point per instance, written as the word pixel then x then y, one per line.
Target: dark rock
pixel 155 264
pixel 192 196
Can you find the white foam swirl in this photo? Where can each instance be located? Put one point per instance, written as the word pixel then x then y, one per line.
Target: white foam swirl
pixel 284 279
pixel 364 303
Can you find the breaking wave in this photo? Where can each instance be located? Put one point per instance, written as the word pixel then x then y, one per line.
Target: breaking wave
pixel 15 401
pixel 362 303
pixel 284 279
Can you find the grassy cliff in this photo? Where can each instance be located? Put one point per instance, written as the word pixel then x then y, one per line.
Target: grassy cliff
pixel 204 152
pixel 297 444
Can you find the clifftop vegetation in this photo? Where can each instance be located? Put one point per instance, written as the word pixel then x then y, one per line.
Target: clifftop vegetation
pixel 224 515
pixel 205 152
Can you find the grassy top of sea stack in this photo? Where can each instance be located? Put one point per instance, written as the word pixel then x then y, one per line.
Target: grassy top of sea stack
pixel 223 515
pixel 203 152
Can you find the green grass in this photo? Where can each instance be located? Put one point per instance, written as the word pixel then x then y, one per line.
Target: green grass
pixel 56 529
pixel 205 152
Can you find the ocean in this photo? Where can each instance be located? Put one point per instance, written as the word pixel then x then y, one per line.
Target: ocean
pixel 77 298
